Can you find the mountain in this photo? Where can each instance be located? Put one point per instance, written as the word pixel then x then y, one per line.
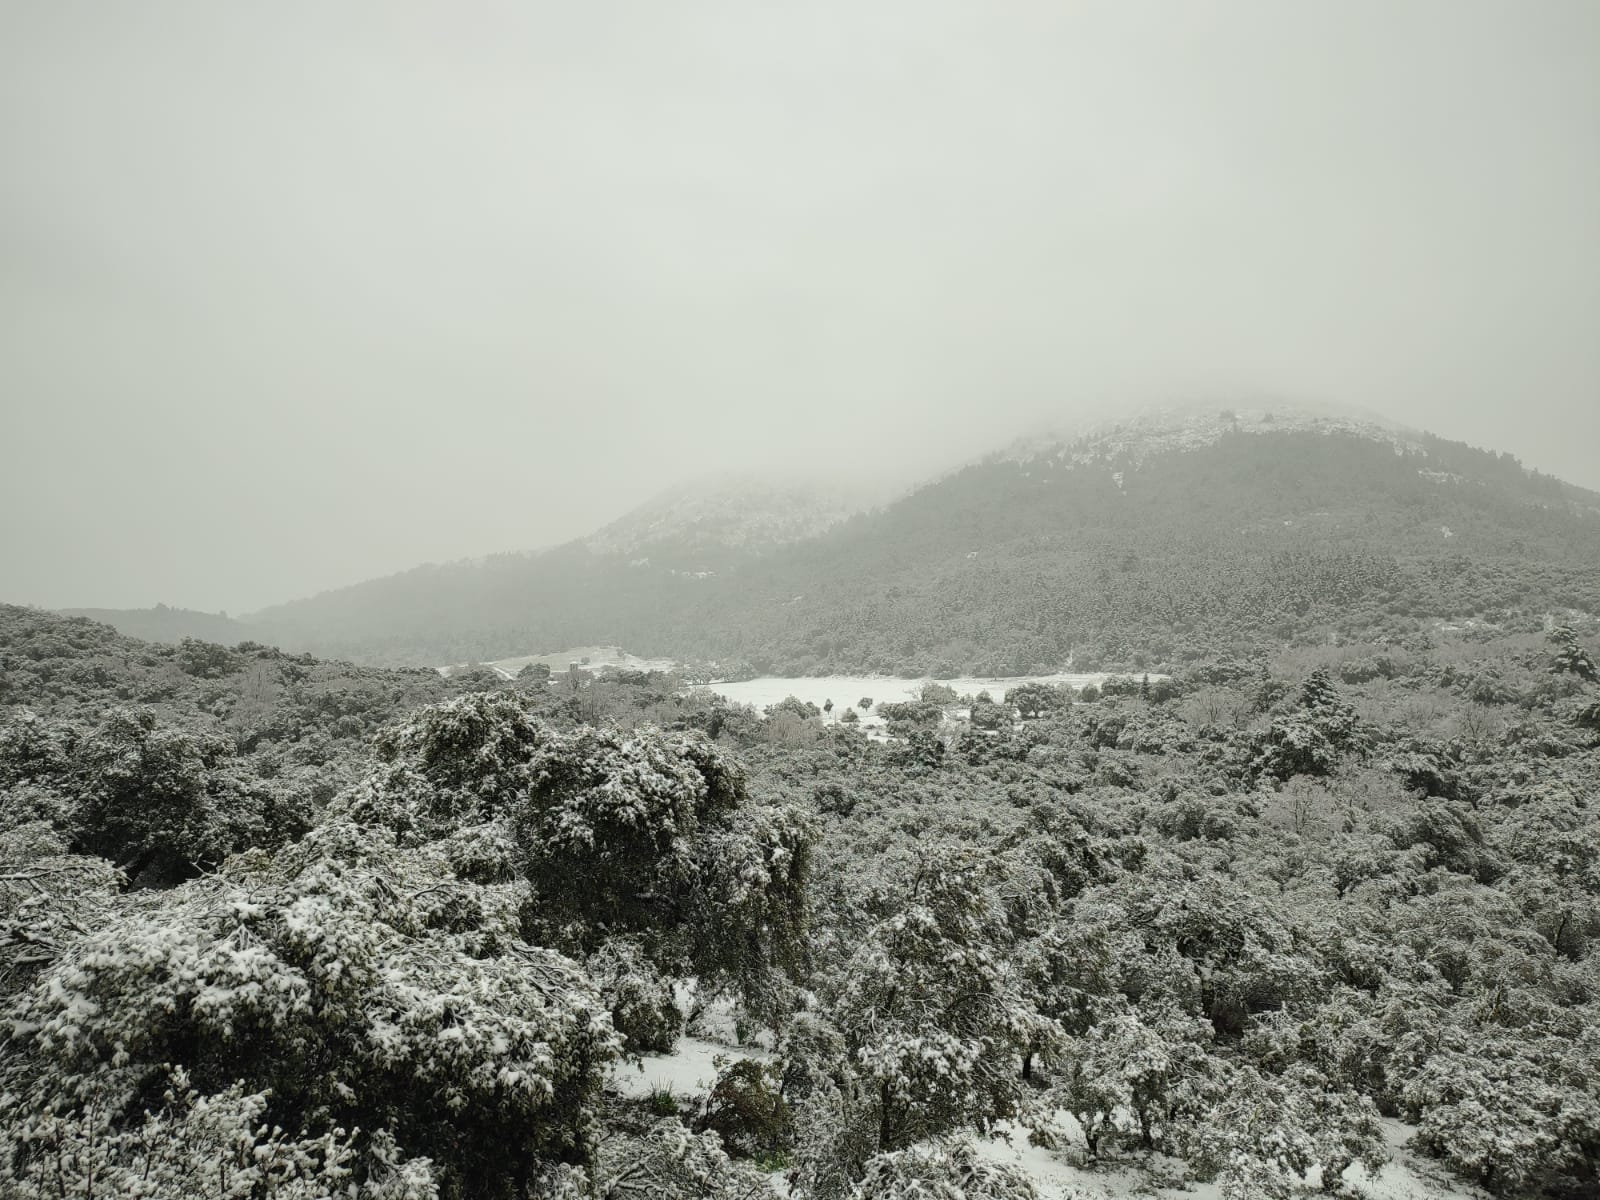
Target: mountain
pixel 682 541
pixel 164 624
pixel 1156 539
pixel 702 523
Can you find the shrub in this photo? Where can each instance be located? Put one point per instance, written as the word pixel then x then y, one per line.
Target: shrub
pixel 643 1009
pixel 353 982
pixel 190 1144
pixel 747 1109
pixel 162 802
pixel 940 1171
pixel 648 835
pixel 668 1161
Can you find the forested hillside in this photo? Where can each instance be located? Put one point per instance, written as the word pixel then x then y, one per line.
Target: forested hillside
pixel 1166 541
pixel 273 926
pixel 165 624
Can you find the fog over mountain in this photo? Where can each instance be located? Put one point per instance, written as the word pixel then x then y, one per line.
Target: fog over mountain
pixel 292 296
pixel 846 600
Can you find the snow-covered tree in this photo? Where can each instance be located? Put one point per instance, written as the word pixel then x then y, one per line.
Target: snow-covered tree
pixel 668 1161
pixel 1035 700
pixel 1126 1077
pixel 933 1014
pixel 649 835
pixel 355 983
pixel 1570 656
pixel 217 1147
pixel 640 834
pixel 945 1170
pixel 159 801
pixel 1309 739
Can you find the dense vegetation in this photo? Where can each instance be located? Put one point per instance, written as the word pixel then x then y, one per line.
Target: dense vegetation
pixel 271 926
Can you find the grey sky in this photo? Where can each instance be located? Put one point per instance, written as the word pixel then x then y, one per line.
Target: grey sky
pixel 295 294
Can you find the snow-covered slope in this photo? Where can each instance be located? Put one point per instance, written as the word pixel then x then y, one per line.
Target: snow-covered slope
pixel 1129 441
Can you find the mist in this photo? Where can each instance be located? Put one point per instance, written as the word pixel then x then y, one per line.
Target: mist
pixel 294 295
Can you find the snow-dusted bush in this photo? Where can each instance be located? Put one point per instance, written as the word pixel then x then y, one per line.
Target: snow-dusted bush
pixel 985 714
pixel 216 1147
pixel 794 706
pixel 485 853
pixel 670 1162
pixel 461 762
pixel 643 1009
pixel 1198 943
pixel 159 801
pixel 48 897
pixel 354 982
pixel 640 834
pixel 1507 1113
pixel 933 1015
pixel 1265 1134
pixel 746 1108
pixel 33 749
pixel 940 1171
pixel 648 834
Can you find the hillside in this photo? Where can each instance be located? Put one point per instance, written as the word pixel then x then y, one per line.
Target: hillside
pixel 698 525
pixel 164 624
pixel 292 708
pixel 1150 541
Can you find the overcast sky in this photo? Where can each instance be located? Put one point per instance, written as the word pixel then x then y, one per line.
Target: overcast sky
pixel 296 294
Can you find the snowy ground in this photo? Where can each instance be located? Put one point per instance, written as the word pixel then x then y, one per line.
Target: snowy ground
pixel 1057 1175
pixel 689 1072
pixel 588 658
pixel 846 690
pixel 692 1067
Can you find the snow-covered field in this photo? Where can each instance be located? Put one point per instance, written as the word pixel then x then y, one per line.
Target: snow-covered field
pixel 847 690
pixel 589 658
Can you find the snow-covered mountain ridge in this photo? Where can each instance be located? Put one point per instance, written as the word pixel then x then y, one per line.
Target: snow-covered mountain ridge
pixel 1130 441
pixel 738 512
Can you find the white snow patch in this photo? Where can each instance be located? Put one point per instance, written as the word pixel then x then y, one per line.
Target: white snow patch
pixel 846 691
pixel 1131 440
pixel 1059 1175
pixel 585 658
pixel 689 1071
